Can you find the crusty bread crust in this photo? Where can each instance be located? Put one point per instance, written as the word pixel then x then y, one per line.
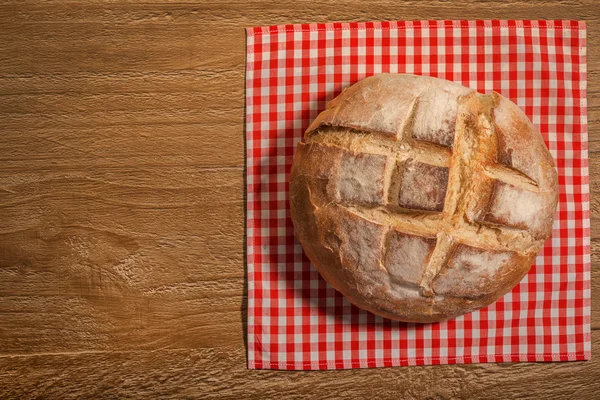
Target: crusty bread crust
pixel 420 199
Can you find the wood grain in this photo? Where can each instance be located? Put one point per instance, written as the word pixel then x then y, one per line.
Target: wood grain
pixel 122 204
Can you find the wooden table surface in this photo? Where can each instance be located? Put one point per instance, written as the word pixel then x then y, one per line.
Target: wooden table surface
pixel 122 204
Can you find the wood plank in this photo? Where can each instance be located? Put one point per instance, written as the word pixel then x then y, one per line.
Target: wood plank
pixel 91 110
pixel 221 373
pixel 170 82
pixel 197 145
pixel 274 12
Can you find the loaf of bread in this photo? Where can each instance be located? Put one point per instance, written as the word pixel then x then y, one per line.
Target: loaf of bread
pixel 420 199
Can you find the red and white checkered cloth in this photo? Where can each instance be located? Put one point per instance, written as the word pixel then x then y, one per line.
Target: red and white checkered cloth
pixel 295 319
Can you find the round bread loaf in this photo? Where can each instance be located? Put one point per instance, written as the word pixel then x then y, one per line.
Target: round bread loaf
pixel 420 199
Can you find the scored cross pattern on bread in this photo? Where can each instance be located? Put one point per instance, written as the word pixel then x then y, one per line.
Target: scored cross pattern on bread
pixel 420 199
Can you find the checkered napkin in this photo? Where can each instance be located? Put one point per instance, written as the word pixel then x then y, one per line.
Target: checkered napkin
pixel 295 319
